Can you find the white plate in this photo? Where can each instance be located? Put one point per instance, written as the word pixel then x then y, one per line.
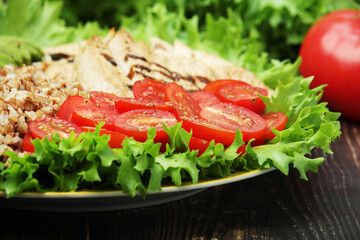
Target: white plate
pixel 113 200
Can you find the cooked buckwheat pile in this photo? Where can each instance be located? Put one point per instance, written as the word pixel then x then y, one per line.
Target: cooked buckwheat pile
pixel 26 94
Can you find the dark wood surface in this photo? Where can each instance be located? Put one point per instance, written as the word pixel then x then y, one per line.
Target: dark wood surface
pixel 271 206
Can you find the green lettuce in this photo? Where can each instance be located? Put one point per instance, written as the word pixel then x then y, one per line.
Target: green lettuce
pixel 39 23
pixel 277 25
pixel 87 161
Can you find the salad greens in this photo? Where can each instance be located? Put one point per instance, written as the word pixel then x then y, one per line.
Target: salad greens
pixel 40 23
pixel 87 161
pixel 253 34
pixel 274 26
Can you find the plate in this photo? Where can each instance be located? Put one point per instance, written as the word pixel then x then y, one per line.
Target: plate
pixel 91 201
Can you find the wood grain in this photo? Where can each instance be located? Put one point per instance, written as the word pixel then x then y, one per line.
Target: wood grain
pixel 272 206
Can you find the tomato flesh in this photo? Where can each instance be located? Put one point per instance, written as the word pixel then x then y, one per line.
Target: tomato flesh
pixel 136 123
pixel 181 100
pixel 66 109
pixel 244 95
pixel 213 87
pixel 198 144
pixel 149 90
pixel 50 125
pixel 27 145
pixel 104 100
pixel 127 104
pixel 275 120
pixel 92 115
pixel 116 138
pixel 232 117
pixel 208 131
pixel 241 150
pixel 204 99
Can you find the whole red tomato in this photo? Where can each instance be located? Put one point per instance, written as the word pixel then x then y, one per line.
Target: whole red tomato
pixel 331 53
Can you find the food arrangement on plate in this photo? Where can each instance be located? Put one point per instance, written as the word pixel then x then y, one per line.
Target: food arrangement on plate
pixel 116 113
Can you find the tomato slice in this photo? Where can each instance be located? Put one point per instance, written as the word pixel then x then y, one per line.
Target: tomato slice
pixel 127 104
pixel 149 90
pixel 275 120
pixel 184 104
pixel 214 87
pixel 66 109
pixel 104 100
pixel 244 95
pixel 136 123
pixel 92 115
pixel 232 117
pixel 116 138
pixel 204 99
pixel 50 125
pixel 208 131
pixel 27 145
pixel 241 150
pixel 198 144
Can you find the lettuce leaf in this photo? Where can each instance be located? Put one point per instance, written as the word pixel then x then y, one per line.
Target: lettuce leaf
pixel 87 162
pixel 277 25
pixel 40 23
pixel 309 125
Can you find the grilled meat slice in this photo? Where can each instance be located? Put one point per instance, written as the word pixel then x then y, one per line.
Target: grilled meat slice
pixel 172 63
pixel 113 64
pixel 96 69
pixel 203 67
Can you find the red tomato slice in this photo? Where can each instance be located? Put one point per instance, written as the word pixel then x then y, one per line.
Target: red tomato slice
pixel 184 104
pixel 104 100
pixel 149 90
pixel 232 117
pixel 50 125
pixel 27 145
pixel 204 99
pixel 136 123
pixel 127 104
pixel 242 149
pixel 244 95
pixel 208 131
pixel 213 87
pixel 92 115
pixel 116 138
pixel 198 144
pixel 66 109
pixel 275 120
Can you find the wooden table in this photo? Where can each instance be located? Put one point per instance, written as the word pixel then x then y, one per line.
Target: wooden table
pixel 271 206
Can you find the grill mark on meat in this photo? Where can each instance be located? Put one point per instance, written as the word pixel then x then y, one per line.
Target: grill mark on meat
pixel 161 66
pixel 58 56
pixel 135 57
pixel 203 79
pixel 175 76
pixel 164 74
pixel 172 75
pixel 144 75
pixel 142 68
pixel 109 59
pixel 190 79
